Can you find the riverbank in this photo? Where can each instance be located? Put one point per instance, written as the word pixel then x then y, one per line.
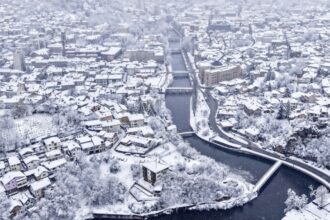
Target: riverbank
pixel 196 166
pixel 197 117
pixel 105 214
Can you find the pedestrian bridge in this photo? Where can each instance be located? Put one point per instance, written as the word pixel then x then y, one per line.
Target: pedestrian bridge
pixel 187 133
pixel 180 73
pixel 179 90
pixel 264 179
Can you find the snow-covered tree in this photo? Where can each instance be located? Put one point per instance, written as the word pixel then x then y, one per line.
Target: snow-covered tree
pixel 157 126
pixel 136 171
pixel 186 150
pixel 133 106
pixel 295 201
pixel 22 110
pixel 4 207
pixel 201 182
pixel 78 184
pixel 187 44
pixel 320 194
pixel 8 134
pixel 283 111
pixel 114 166
pixel 287 93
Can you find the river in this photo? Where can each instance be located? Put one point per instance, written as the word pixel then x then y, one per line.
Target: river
pixel 269 205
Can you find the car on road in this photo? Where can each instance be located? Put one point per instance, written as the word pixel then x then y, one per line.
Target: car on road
pixel 283 157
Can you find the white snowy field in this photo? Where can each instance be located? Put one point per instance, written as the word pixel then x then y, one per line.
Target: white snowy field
pixel 35 126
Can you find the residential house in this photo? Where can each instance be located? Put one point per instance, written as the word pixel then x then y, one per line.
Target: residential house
pixel 93 125
pixel 31 162
pixel 139 141
pixel 15 207
pixel 37 188
pixel 136 120
pixel 14 180
pixel 53 165
pixel 252 133
pixel 91 145
pixel 86 144
pixel 40 172
pixel 52 143
pixel 110 126
pixel 71 148
pixel 225 113
pixel 252 108
pixel 292 103
pixel 98 144
pixel 152 170
pixel 14 163
pixel 104 114
pixel 111 137
pixel 54 155
pixel 123 117
pixel 25 198
pixel 316 112
pixel 145 131
pixel 26 152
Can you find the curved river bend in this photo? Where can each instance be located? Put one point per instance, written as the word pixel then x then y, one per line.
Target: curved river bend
pixel 269 205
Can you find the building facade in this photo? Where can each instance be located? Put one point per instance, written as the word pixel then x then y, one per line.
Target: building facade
pixel 214 76
pixel 19 63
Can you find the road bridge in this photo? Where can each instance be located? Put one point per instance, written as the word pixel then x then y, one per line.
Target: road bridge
pixel 187 133
pixel 180 73
pixel 175 50
pixel 179 90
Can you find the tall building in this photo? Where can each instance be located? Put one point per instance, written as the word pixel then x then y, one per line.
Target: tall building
pixel 63 41
pixel 19 63
pixel 214 76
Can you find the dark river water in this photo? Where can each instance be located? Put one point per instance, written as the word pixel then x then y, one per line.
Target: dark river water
pixel 270 202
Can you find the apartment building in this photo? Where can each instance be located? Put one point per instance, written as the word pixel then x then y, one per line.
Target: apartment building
pixel 214 76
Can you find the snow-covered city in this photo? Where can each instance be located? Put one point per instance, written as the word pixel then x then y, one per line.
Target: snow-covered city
pixel 178 109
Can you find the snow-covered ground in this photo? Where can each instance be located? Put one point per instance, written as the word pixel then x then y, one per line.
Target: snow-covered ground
pixel 310 212
pixel 199 119
pixel 35 126
pixel 169 154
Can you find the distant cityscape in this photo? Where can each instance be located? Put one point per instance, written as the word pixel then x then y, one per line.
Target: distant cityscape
pixel 150 109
